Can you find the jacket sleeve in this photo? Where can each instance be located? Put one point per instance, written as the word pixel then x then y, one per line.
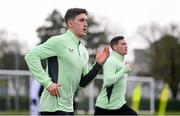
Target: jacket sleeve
pixel 111 74
pixel 33 59
pixel 90 76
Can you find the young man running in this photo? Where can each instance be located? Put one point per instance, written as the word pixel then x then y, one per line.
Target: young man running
pixel 67 68
pixel 111 100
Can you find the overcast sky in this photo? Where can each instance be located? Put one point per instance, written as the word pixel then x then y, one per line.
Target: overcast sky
pixel 23 17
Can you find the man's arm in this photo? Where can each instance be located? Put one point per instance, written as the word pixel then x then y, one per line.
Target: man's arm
pixel 87 79
pixel 33 60
pixel 111 75
pixel 100 59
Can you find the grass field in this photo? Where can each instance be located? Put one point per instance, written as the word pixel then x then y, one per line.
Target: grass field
pixel 14 113
pixel 27 113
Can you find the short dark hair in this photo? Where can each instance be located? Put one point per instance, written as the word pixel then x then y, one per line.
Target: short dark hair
pixel 115 40
pixel 73 12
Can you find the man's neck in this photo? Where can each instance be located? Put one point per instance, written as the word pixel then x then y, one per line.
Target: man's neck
pixel 75 33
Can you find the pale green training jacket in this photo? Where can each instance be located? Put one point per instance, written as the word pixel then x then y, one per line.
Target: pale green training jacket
pixel 112 95
pixel 67 63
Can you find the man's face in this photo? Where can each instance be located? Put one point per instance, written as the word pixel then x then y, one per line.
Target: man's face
pixel 79 25
pixel 121 47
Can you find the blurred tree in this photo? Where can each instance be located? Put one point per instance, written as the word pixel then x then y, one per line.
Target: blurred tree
pixel 10 53
pixel 164 46
pixel 55 25
pixel 166 61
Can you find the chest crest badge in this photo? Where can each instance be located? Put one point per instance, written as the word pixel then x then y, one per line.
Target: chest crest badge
pixel 70 50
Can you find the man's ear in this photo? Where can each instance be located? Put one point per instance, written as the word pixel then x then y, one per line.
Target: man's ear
pixel 70 23
pixel 114 47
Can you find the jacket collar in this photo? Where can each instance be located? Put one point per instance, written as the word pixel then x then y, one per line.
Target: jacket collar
pixel 118 56
pixel 75 39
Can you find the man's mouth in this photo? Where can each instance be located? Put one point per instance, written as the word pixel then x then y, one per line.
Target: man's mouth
pixel 85 30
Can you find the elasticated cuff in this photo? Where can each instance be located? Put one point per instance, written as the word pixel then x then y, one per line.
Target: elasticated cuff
pixel 97 66
pixel 46 85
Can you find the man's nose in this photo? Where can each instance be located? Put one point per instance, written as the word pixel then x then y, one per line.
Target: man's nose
pixel 86 24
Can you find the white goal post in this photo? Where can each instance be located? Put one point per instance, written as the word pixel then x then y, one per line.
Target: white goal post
pixel 14 83
pixel 19 82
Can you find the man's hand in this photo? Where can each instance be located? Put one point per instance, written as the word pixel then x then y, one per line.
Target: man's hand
pixel 53 89
pixel 102 57
pixel 130 66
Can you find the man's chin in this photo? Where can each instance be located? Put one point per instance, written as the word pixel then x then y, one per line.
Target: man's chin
pixel 83 35
pixel 125 53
